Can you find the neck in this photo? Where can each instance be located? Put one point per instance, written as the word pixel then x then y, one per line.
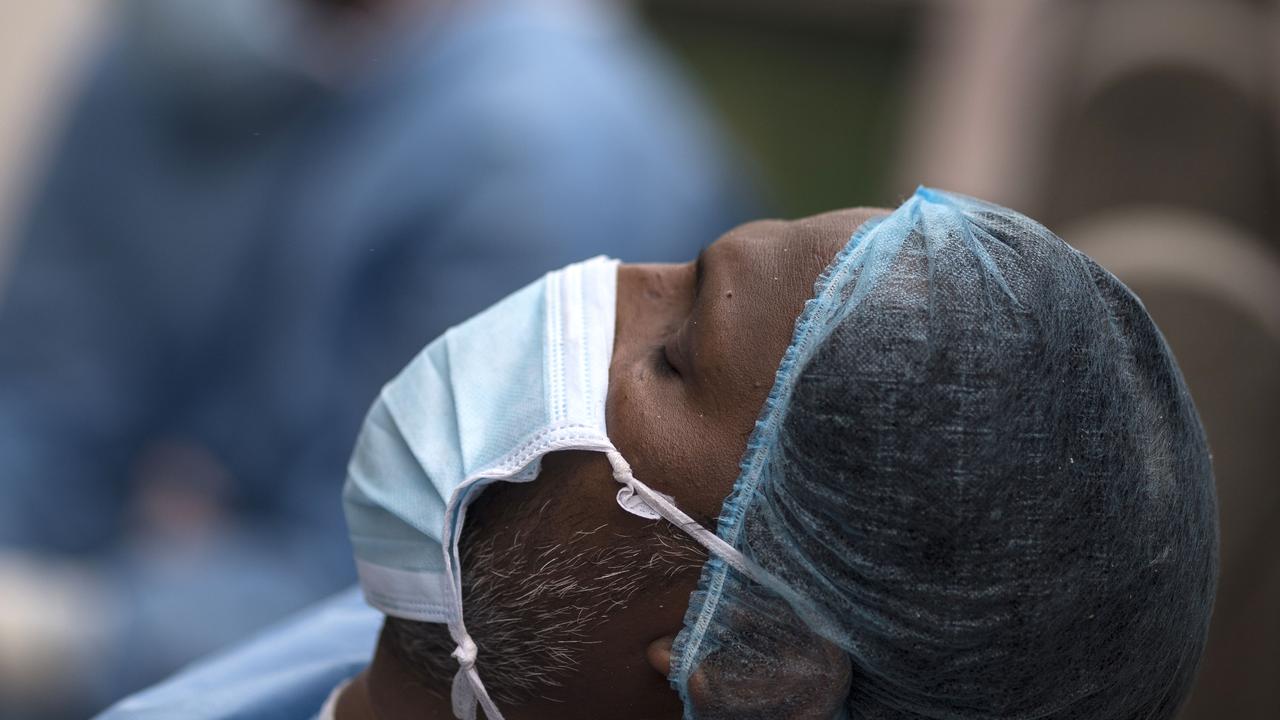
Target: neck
pixel 387 691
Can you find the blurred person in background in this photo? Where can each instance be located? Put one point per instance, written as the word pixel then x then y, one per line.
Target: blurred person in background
pixel 253 213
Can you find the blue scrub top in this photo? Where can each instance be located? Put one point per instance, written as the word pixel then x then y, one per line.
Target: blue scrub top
pixel 286 673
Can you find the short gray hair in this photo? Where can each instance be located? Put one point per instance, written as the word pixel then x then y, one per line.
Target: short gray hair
pixel 532 610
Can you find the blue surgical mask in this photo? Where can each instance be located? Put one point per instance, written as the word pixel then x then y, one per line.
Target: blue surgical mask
pixel 485 403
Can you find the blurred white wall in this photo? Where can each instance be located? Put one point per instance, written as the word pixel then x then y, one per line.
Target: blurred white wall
pixel 40 44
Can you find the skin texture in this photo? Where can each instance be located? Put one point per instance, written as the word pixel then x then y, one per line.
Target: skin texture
pixel 695 355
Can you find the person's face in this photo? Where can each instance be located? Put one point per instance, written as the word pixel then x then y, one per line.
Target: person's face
pixel 698 345
pixel 695 352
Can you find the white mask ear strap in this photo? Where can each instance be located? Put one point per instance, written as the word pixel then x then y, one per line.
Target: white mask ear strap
pixel 663 505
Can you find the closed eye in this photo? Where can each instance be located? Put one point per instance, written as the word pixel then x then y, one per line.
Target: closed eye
pixel 661 362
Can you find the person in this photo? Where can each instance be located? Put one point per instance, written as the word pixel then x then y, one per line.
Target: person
pixel 255 212
pixel 926 463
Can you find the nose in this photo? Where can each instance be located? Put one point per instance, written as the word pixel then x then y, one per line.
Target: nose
pixel 653 300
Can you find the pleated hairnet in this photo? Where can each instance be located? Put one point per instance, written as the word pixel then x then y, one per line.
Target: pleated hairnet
pixel 979 489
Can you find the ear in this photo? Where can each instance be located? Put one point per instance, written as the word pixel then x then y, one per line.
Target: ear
pixel 799 676
pixel 659 654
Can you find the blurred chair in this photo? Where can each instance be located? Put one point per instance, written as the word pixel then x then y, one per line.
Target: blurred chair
pixel 1166 102
pixel 1061 108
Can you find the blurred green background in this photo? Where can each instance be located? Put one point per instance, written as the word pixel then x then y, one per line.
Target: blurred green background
pixel 814 97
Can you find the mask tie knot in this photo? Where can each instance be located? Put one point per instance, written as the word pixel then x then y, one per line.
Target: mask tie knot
pixel 466 653
pixel 467 686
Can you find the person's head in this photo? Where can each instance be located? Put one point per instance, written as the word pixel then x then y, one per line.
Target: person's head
pixel 568 596
pixel 970 472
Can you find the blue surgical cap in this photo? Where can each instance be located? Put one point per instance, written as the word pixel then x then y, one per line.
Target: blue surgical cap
pixel 979 489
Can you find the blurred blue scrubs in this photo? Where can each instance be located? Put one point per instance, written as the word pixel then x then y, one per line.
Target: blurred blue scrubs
pixel 227 257
pixel 287 672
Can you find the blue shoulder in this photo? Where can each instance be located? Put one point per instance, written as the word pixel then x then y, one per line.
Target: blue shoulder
pixel 287 671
